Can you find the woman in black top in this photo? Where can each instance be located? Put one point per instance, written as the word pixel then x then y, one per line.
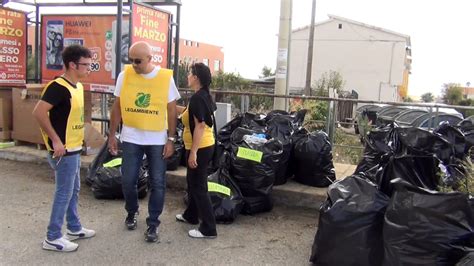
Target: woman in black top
pixel 199 144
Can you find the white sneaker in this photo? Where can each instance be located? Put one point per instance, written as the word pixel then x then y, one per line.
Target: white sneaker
pixel 60 244
pixel 195 233
pixel 84 233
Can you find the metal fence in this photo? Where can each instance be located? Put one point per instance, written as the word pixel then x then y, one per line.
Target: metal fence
pixel 335 117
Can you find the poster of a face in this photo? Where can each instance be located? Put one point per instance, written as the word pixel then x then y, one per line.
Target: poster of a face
pixel 54 44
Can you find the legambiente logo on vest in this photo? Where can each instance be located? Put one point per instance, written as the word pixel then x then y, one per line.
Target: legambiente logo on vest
pixel 142 101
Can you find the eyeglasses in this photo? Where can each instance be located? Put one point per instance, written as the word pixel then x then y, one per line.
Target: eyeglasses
pixel 135 61
pixel 88 65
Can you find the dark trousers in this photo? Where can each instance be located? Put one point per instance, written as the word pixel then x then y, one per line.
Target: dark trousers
pixel 199 206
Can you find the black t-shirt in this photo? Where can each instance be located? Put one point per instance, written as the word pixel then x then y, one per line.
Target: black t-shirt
pixel 200 106
pixel 60 98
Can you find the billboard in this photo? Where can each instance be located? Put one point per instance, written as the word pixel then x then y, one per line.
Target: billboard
pixel 13 47
pixel 152 26
pixel 96 32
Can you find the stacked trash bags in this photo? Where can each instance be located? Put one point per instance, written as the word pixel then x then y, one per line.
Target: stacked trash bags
pixel 105 175
pixel 256 152
pixel 402 205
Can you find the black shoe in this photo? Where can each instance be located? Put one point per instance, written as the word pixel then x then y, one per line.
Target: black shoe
pixel 150 234
pixel 131 221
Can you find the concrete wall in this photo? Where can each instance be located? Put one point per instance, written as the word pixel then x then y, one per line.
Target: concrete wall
pixel 371 62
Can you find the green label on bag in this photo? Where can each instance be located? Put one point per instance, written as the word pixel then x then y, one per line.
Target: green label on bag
pixel 214 187
pixel 250 154
pixel 113 163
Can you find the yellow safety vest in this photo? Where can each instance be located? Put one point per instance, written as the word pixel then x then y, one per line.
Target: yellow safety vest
pixel 144 102
pixel 75 120
pixel 207 137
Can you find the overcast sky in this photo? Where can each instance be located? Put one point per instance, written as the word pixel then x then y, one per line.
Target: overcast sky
pixel 442 32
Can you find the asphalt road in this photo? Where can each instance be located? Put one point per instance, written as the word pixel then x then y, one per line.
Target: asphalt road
pixel 281 237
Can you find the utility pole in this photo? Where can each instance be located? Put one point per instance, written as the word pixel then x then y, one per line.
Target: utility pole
pixel 309 65
pixel 281 75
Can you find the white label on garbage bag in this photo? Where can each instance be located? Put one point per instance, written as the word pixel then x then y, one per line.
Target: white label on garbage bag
pixel 250 154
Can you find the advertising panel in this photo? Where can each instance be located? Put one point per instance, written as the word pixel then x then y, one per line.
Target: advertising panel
pixel 152 25
pixel 13 47
pixel 92 31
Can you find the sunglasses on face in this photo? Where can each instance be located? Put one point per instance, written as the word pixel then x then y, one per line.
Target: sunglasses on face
pixel 135 61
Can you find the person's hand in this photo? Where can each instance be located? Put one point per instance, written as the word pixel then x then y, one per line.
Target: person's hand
pixel 113 147
pixel 192 160
pixel 59 149
pixel 168 150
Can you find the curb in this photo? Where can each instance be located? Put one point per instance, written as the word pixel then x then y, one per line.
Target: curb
pixel 291 194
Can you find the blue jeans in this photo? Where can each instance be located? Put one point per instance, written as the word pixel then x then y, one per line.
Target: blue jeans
pixel 66 196
pixel 131 161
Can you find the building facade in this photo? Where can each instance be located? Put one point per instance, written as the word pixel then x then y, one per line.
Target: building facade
pixel 374 62
pixel 193 52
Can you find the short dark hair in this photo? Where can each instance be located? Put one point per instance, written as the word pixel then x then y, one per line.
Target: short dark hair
pixel 203 73
pixel 73 53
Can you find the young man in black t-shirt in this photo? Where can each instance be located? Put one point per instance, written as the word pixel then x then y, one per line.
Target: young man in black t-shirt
pixel 60 114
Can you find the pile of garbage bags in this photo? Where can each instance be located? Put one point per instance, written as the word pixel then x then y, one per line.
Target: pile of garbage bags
pixel 267 150
pixel 401 206
pixel 105 175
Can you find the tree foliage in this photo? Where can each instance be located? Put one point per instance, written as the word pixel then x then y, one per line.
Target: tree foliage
pixel 331 79
pixel 427 97
pixel 267 72
pixel 183 70
pixel 408 99
pixel 452 93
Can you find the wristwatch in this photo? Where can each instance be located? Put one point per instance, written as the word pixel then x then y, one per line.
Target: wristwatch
pixel 172 139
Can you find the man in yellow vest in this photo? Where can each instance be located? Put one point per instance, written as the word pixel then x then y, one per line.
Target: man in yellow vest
pixel 60 114
pixel 146 103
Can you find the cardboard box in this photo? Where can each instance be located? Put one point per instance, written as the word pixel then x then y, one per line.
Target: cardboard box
pixel 25 127
pixel 5 109
pixel 5 135
pixel 93 140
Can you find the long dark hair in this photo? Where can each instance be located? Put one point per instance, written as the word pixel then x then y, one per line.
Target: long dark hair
pixel 203 73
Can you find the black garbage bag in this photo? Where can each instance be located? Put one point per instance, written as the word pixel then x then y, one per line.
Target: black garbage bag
pixel 274 113
pixel 99 159
pixel 425 227
pixel 255 122
pixel 456 169
pixel 468 260
pixel 215 164
pixel 350 224
pixel 226 198
pixel 297 135
pixel 296 118
pixel 108 180
pixel 415 156
pixel 313 160
pixel 467 124
pixel 454 137
pixel 420 142
pixel 174 161
pixel 279 127
pixel 223 135
pixel 420 171
pixel 376 145
pixel 253 167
